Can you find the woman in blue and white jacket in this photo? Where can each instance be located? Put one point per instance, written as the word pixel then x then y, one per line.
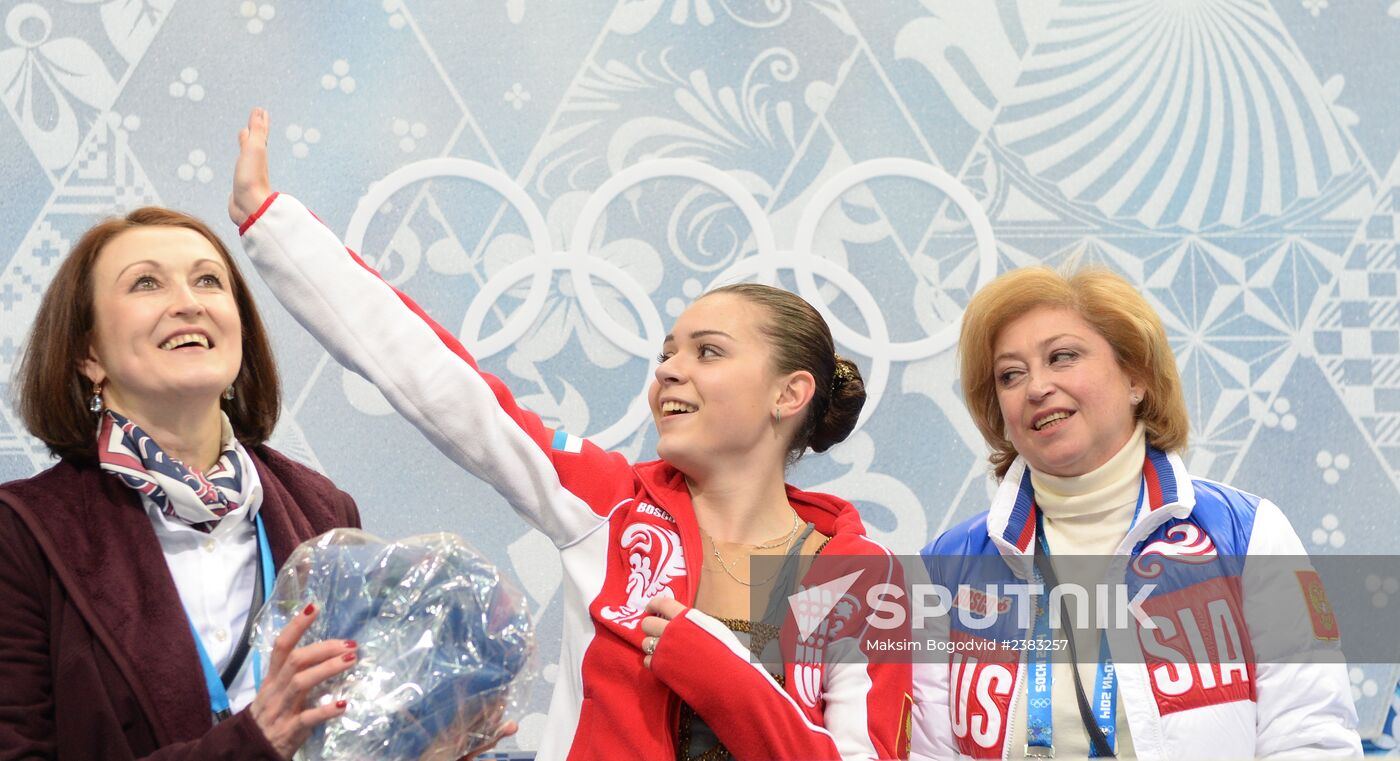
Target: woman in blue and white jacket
pixel 1073 385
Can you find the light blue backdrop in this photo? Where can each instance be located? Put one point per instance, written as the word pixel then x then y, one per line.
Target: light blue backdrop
pixel 1238 158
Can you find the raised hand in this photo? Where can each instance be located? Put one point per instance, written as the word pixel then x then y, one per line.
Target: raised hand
pixel 250 182
pixel 279 708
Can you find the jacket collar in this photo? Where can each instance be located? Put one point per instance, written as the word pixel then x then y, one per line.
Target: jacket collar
pixel 100 543
pixel 830 514
pixel 1012 519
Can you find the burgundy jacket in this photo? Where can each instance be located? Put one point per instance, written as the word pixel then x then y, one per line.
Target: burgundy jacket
pixel 96 656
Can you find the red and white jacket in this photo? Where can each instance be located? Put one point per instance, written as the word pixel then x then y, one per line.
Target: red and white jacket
pixel 625 533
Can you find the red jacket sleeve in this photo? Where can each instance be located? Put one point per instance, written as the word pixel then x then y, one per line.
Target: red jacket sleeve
pixel 859 703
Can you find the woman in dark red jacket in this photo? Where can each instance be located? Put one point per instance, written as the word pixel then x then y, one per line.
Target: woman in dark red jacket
pixel 130 571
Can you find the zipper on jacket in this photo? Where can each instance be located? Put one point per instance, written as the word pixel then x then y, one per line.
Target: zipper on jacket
pixel 1021 675
pixel 673 701
pixel 1011 710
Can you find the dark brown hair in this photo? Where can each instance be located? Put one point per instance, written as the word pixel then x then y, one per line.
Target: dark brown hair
pixel 1107 302
pixel 53 392
pixel 801 340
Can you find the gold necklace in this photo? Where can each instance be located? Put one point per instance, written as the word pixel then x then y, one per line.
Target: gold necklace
pixel 714 548
pixel 784 541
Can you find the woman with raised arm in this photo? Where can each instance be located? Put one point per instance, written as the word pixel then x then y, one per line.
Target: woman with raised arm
pixel 655 660
pixel 1073 385
pixel 130 572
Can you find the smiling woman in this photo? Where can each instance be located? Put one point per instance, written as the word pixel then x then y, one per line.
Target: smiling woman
pixel 721 354
pixel 128 570
pixel 109 299
pixel 170 328
pixel 1072 383
pixel 1094 329
pixel 659 630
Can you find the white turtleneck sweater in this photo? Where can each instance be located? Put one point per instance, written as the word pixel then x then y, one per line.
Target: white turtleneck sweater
pixel 1085 515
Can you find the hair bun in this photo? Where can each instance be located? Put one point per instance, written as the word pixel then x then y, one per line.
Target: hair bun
pixel 843 406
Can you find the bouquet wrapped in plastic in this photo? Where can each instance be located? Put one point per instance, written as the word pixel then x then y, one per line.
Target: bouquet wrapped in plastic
pixel 442 638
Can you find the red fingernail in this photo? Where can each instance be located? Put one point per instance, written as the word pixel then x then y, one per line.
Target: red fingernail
pixel 348 657
pixel 340 704
pixel 350 643
pixel 309 609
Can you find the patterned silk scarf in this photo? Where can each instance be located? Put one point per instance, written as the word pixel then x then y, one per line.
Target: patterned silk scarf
pixel 201 500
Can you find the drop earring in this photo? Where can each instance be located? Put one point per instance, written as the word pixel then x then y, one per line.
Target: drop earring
pixel 777 415
pixel 228 393
pixel 95 405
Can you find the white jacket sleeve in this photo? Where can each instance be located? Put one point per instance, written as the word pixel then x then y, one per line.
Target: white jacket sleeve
pixel 551 479
pixel 933 724
pixel 1305 709
pixel 931 736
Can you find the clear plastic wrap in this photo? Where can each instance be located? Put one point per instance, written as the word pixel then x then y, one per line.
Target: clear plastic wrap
pixel 444 642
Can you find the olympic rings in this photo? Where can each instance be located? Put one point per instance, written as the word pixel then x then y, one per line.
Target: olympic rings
pixel 583 268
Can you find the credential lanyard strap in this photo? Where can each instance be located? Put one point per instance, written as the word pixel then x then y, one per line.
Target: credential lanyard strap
pixel 218 683
pixel 1040 731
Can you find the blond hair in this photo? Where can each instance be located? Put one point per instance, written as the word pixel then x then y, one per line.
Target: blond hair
pixel 1106 301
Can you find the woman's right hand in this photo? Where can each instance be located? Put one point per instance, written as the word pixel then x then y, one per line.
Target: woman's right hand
pixel 279 708
pixel 251 185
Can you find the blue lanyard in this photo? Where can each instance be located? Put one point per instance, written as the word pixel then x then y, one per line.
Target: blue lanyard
pixel 218 694
pixel 1040 729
